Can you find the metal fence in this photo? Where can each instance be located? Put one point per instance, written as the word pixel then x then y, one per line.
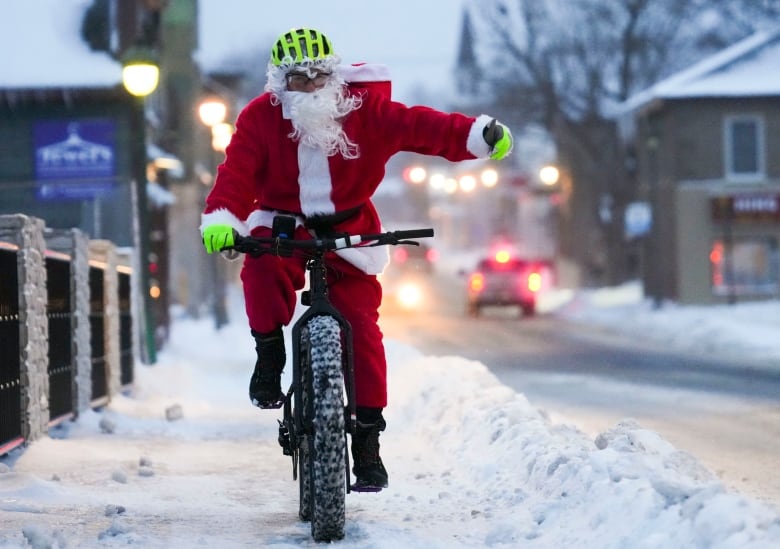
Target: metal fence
pixel 66 327
pixel 61 369
pixel 10 372
pixel 125 327
pixel 97 325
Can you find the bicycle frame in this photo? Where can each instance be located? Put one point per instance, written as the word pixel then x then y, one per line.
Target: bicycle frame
pixel 299 435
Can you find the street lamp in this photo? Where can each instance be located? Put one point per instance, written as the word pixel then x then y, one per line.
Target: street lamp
pixel 489 177
pixel 221 134
pixel 212 112
pixel 467 183
pixel 415 174
pixel 549 175
pixel 140 76
pixel 140 72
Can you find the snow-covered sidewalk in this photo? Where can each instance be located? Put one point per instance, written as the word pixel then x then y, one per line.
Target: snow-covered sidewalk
pixel 472 464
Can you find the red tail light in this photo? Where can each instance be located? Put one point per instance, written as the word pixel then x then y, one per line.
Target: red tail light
pixel 477 282
pixel 502 256
pixel 400 255
pixel 534 281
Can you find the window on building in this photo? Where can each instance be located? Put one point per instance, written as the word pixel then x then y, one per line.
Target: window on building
pixel 744 146
pixel 746 266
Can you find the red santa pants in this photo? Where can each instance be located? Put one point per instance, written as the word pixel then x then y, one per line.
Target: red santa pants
pixel 270 283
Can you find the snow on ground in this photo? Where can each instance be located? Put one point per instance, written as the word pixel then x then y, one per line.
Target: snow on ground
pixel 472 464
pixel 742 331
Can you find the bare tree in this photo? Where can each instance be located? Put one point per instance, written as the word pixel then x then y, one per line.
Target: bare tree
pixel 563 64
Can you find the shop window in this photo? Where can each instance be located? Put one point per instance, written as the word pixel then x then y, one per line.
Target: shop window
pixel 744 146
pixel 746 266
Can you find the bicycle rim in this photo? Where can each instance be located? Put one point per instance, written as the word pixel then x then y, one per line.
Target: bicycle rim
pixel 304 452
pixel 323 476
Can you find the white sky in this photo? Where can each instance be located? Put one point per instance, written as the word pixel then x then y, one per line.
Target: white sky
pixel 416 39
pixel 41 46
pixel 472 463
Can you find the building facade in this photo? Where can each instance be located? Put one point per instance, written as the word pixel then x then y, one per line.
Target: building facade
pixel 707 144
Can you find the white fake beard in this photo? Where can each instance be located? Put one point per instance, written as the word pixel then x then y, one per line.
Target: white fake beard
pixel 316 118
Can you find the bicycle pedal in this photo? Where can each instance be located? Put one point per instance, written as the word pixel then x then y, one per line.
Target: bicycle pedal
pixel 365 488
pixel 271 405
pixel 284 439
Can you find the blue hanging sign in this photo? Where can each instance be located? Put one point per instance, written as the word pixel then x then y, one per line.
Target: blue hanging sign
pixel 75 158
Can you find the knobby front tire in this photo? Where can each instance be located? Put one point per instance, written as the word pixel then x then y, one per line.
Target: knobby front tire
pixel 304 449
pixel 323 461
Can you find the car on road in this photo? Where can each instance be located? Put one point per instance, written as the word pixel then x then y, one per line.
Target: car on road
pixel 420 259
pixel 505 280
pixel 406 279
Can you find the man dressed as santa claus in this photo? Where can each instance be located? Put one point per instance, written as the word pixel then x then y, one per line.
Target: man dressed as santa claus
pixel 315 145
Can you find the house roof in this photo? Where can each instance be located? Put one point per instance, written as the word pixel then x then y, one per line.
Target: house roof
pixel 749 68
pixel 41 47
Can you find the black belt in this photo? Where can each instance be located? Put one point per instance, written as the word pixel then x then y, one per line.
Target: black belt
pixel 322 224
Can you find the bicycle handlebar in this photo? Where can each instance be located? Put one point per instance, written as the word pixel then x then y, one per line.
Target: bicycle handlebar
pixel 412 233
pixel 250 244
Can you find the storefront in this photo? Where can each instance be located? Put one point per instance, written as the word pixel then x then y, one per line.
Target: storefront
pixel 739 229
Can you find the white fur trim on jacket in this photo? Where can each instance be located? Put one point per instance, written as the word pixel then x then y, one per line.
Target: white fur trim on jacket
pixel 265 218
pixel 476 142
pixel 223 217
pixel 369 260
pixel 364 72
pixel 314 181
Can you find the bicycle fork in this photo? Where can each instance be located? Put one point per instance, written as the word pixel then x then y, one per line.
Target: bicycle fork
pixel 292 427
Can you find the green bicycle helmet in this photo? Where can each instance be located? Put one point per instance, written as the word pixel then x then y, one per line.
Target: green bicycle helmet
pixel 300 44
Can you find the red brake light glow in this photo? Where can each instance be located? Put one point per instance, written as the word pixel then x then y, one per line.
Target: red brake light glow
pixel 534 281
pixel 502 256
pixel 400 255
pixel 477 282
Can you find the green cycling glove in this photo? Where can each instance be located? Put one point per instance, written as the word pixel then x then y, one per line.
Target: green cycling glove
pixel 216 237
pixel 499 139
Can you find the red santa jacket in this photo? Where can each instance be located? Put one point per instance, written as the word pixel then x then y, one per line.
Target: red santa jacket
pixel 266 171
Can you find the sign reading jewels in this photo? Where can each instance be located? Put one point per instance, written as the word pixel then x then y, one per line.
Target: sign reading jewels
pixel 746 207
pixel 75 158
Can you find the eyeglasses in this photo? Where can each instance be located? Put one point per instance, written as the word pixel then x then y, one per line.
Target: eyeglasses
pixel 299 80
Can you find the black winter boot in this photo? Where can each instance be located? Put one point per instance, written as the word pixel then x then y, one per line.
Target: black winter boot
pixel 368 468
pixel 265 387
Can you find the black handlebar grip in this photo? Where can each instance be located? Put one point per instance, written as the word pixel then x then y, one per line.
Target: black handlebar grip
pixel 414 233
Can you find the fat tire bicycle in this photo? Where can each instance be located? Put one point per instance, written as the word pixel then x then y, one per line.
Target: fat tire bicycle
pixel 319 410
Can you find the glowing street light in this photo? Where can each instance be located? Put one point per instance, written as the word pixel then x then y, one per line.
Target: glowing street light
pixel 212 112
pixel 549 175
pixel 450 185
pixel 467 183
pixel 437 181
pixel 221 134
pixel 140 72
pixel 415 174
pixel 489 177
